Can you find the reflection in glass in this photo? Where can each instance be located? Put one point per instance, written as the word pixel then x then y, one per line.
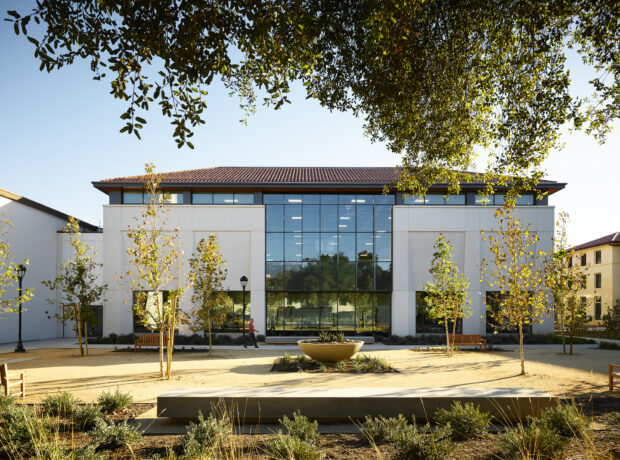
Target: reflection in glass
pixel 365 247
pixel 223 198
pixel 346 218
pixel 274 249
pixel 292 199
pixel 346 199
pixel 275 218
pixel 329 244
pixel 455 199
pixel 275 312
pixel 311 276
pixel 202 198
pixel 311 218
pixel 346 276
pixel 311 246
pixel 273 198
pixel 328 304
pixel 329 273
pixel 364 199
pixel 383 218
pixel 384 312
pixel 434 199
pixel 293 246
pixel 329 218
pixel 364 218
pixel 292 276
pixel 383 246
pixel 329 199
pixel 383 276
pixel 310 198
pixel 384 199
pixel 346 246
pixel 292 218
pixel 244 198
pixel 274 276
pixel 346 310
pixel 365 276
pixel 132 197
pixel 365 312
pixel 424 323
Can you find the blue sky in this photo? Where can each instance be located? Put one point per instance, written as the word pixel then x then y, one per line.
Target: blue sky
pixel 59 132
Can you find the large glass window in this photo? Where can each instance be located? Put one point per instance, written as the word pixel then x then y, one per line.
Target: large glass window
pixel 328 262
pixel 139 197
pixel 436 199
pixel 495 321
pixel 200 197
pixel 424 324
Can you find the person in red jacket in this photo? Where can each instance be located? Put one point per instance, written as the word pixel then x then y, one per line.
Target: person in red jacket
pixel 251 334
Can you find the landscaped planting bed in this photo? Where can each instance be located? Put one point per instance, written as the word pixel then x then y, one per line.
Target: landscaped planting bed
pixel 461 432
pixel 359 364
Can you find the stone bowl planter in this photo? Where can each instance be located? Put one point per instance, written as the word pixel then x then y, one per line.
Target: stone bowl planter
pixel 330 352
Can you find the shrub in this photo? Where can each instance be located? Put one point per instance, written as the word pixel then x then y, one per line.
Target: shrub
pixel 566 420
pixel 110 402
pixel 365 363
pixel 465 421
pixel 301 428
pixel 24 433
pixel 614 418
pixel 61 404
pixel 537 440
pixel 86 418
pixel 611 320
pixel 86 453
pixel 608 346
pixel 6 402
pixel 412 444
pixel 111 436
pixel 381 429
pixel 205 436
pixel 285 447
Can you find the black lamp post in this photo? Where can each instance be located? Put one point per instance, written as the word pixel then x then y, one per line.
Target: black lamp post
pixel 244 283
pixel 21 272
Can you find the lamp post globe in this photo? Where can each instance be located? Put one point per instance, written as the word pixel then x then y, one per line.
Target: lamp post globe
pixel 20 271
pixel 244 282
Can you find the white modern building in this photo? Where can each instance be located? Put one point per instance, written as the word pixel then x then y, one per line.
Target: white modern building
pixel 35 236
pixel 323 248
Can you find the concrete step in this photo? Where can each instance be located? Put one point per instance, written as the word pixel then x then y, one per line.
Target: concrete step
pixel 292 339
pixel 268 404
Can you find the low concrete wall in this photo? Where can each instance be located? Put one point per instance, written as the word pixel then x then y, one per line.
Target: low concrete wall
pixel 344 404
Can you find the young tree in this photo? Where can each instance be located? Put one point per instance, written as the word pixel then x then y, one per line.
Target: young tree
pixel 611 320
pixel 207 272
pixel 447 294
pixel 563 279
pixel 516 271
pixel 154 258
pixel 8 272
pixel 77 284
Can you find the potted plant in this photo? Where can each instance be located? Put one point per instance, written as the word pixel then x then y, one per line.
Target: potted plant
pixel 330 348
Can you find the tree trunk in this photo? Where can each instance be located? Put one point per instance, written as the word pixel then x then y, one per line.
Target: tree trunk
pixel 85 329
pixel 445 320
pixel 79 327
pixel 521 348
pixel 562 329
pixel 209 332
pixel 572 329
pixel 170 349
pixel 453 333
pixel 161 352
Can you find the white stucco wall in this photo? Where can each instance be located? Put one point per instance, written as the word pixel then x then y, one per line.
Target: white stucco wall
pixel 33 237
pixel 415 229
pixel 241 234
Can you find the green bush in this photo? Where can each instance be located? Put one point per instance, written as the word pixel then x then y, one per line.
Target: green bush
pixel 301 428
pixel 285 447
pixel 465 421
pixel 206 436
pixel 85 453
pixel 536 441
pixel 381 429
pixel 412 444
pixel 85 418
pixel 111 436
pixel 110 402
pixel 611 320
pixel 6 402
pixel 61 404
pixel 566 420
pixel 614 418
pixel 608 346
pixel 24 434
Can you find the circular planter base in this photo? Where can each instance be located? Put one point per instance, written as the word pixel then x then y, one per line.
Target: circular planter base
pixel 330 352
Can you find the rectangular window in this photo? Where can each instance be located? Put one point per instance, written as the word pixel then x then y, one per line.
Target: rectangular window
pixel 597 257
pixel 132 197
pixel 434 199
pixel 244 198
pixel 223 198
pixel 584 282
pixel 455 200
pixel 584 260
pixel 597 308
pixel 202 198
pixel 495 321
pixel 424 324
pixel 597 280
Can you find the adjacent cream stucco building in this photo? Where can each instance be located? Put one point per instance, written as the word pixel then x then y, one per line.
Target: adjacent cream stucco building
pixel 600 260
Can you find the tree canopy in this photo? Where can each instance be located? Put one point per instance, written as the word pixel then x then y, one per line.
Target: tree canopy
pixel 433 79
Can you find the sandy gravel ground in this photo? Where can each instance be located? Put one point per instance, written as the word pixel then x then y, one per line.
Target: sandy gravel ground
pixel 547 369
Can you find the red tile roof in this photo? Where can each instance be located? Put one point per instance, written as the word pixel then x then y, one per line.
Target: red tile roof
pixel 273 175
pixel 612 238
pixel 264 175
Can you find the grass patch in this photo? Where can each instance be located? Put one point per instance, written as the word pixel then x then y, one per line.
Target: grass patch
pixel 360 364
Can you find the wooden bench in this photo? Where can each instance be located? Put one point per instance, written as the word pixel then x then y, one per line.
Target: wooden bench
pixel 469 340
pixel 148 340
pixel 613 373
pixel 10 380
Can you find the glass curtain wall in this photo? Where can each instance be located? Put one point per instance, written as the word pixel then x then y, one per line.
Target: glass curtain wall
pixel 328 263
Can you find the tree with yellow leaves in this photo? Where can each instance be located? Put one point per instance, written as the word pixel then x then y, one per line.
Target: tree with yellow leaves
pixel 155 260
pixel 516 271
pixel 447 294
pixel 207 272
pixel 564 279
